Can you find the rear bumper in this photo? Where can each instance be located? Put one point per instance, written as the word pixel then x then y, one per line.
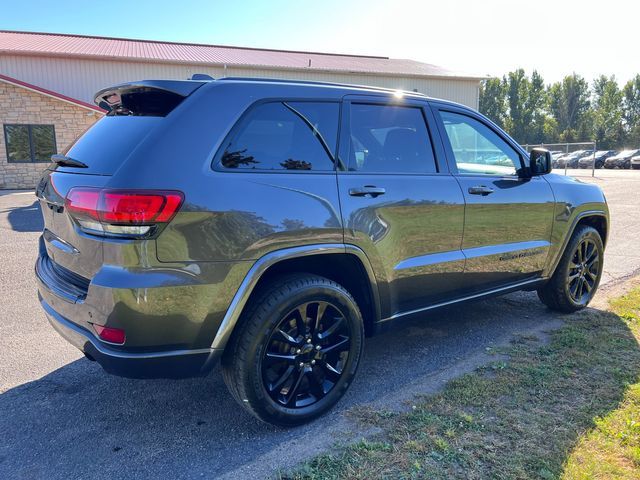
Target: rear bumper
pixel 170 312
pixel 165 364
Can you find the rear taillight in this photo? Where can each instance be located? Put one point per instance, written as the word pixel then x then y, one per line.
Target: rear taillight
pixel 121 213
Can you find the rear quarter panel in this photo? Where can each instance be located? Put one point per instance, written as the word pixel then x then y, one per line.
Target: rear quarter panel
pixel 230 216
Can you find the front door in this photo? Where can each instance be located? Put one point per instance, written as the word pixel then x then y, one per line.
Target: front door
pixel 399 205
pixel 508 218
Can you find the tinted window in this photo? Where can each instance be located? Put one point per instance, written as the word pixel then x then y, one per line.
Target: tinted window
pixel 109 142
pixel 285 136
pixel 142 102
pixel 389 139
pixel 30 143
pixel 477 148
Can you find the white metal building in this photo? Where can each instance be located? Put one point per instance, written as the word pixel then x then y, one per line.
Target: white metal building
pixel 74 67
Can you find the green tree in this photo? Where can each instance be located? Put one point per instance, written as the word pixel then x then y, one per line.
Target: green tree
pixel 526 99
pixel 569 105
pixel 492 100
pixel 537 102
pixel 607 112
pixel 517 88
pixel 631 111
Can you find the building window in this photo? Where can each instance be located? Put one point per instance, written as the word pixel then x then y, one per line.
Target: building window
pixel 30 143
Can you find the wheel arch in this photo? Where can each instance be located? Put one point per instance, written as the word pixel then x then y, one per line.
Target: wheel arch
pixel 597 219
pixel 349 266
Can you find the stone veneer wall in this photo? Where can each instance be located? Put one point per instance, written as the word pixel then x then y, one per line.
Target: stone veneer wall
pixel 19 105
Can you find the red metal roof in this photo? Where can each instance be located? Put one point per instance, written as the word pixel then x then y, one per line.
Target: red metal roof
pixel 50 93
pixel 49 44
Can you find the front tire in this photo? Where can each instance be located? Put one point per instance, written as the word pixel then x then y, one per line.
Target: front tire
pixel 577 276
pixel 295 351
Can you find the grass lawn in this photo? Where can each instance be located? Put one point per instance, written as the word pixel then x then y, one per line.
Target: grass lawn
pixel 568 408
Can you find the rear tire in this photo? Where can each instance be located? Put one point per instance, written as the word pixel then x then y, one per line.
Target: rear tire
pixel 285 369
pixel 577 276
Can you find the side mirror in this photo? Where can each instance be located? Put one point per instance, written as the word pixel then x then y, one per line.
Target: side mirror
pixel 539 161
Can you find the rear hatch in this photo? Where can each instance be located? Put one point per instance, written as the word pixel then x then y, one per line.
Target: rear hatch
pixel 134 111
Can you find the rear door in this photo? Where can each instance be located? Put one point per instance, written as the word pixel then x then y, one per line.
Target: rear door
pixel 399 203
pixel 508 217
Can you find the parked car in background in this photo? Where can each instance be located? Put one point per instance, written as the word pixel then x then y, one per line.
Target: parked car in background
pixel 270 225
pixel 555 157
pixel 571 160
pixel 621 160
pixel 599 158
pixel 635 162
pixel 558 160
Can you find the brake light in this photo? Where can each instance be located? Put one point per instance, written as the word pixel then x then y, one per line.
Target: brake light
pixel 120 212
pixel 110 334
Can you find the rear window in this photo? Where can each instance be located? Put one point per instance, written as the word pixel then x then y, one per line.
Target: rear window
pixel 108 143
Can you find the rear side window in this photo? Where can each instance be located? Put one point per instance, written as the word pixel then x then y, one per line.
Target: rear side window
pixel 299 136
pixel 389 139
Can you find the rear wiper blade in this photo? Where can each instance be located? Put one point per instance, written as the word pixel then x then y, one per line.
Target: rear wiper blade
pixel 65 161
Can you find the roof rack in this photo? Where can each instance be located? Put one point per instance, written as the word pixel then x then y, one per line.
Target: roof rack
pixel 312 82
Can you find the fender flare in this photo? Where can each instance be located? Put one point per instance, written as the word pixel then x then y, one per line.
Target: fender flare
pixel 261 265
pixel 588 213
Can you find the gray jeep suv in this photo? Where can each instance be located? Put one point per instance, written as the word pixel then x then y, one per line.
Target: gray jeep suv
pixel 272 225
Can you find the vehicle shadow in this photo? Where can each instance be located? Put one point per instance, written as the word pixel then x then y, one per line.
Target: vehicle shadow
pixel 26 218
pixel 79 422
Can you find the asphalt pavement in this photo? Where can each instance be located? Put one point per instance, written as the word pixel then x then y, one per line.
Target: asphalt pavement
pixel 62 417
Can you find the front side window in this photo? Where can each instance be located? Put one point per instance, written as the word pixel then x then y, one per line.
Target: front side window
pixel 389 139
pixel 477 149
pixel 30 143
pixel 285 136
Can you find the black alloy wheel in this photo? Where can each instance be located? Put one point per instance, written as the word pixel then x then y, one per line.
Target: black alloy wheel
pixel 583 273
pixel 296 350
pixel 577 276
pixel 306 354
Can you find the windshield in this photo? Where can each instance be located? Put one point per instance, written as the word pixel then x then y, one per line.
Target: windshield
pixel 625 153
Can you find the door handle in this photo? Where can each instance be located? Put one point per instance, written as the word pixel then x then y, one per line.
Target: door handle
pixel 480 190
pixel 370 190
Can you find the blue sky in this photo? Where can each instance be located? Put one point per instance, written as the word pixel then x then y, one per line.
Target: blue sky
pixel 486 37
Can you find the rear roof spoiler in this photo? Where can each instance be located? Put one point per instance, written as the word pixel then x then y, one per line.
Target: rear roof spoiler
pixel 111 97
